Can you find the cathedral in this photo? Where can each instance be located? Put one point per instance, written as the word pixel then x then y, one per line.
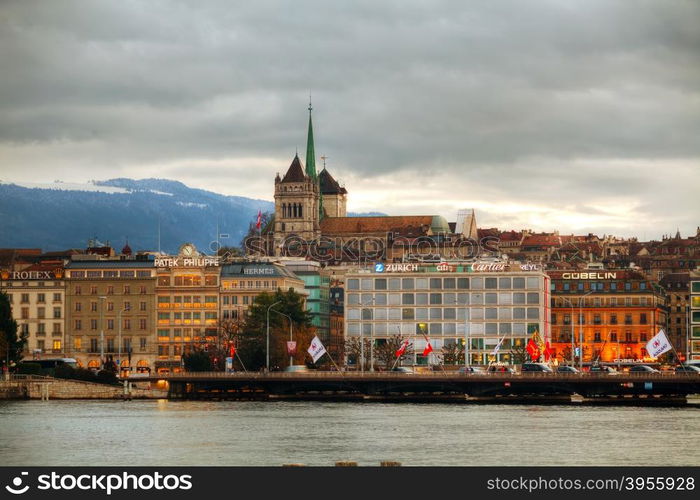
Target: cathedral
pixel 311 205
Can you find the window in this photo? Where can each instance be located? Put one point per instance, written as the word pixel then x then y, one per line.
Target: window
pixel 56 329
pixel 491 283
pixel 41 329
pixel 78 306
pixel 435 283
pixel 142 343
pixel 380 284
pixel 613 336
pixel 127 324
pixel 435 298
pixel 407 313
pixel 110 290
pixel 25 298
pixel 93 324
pixel 596 319
pixel 127 289
pixel 142 290
pixel 596 337
pixel 110 324
pixel 41 312
pixel 142 306
pixel 408 299
pixel 93 290
pixel 25 313
pixel 78 324
pixel 110 306
pixel 448 283
pixel 463 283
pixel 77 343
pixel 628 319
pixel 93 345
pixel 41 298
pixel 643 318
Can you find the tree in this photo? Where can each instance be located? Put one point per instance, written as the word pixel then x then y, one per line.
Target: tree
pixel 519 355
pixel 11 344
pixel 253 336
pixel 453 354
pixel 197 361
pixel 353 349
pixel 385 352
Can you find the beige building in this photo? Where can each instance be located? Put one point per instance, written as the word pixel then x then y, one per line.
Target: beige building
pixel 109 298
pixel 187 296
pixel 37 298
pixel 242 282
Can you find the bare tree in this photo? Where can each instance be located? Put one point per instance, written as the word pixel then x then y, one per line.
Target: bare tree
pixel 385 353
pixel 354 349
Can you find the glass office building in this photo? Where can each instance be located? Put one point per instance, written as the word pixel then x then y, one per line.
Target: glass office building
pixel 477 309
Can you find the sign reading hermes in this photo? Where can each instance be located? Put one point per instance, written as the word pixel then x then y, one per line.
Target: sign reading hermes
pixel 187 262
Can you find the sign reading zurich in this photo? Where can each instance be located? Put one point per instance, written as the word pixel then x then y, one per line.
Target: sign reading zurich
pixel 378 267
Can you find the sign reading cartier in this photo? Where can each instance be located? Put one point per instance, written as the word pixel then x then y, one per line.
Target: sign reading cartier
pixel 187 262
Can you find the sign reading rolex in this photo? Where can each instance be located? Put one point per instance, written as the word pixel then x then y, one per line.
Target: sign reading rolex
pixel 56 274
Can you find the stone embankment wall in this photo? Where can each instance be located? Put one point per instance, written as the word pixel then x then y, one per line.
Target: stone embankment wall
pixel 72 389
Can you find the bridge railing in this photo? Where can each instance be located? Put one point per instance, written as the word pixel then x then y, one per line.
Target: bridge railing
pixel 426 375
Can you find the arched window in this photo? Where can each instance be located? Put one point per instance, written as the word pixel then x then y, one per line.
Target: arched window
pixel 300 211
pixel 284 210
pixel 296 210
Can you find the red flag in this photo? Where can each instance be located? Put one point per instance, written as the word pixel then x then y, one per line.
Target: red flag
pixel 548 351
pixel 428 349
pixel 533 350
pixel 402 349
pixel 259 221
pixel 232 350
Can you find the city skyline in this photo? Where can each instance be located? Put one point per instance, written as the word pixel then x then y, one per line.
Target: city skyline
pixel 547 118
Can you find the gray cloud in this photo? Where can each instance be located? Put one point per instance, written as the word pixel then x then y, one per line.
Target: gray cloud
pixel 545 102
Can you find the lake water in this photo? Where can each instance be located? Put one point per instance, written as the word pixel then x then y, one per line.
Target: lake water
pixel 274 433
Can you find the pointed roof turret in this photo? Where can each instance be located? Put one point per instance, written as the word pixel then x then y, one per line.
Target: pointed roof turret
pixel 328 184
pixel 310 153
pixel 295 173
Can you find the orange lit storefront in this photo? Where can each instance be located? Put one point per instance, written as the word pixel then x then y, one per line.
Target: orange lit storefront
pixel 617 312
pixel 187 301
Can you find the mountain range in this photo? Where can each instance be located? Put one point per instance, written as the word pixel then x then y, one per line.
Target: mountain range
pixel 149 213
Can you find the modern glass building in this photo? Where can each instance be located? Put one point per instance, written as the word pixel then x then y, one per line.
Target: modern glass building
pixel 449 304
pixel 694 317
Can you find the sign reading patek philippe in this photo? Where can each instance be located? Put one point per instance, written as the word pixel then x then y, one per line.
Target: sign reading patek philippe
pixel 187 262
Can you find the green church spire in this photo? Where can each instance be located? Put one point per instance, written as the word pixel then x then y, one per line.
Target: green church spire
pixel 310 153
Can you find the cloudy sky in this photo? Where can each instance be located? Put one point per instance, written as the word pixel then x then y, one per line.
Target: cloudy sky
pixel 582 116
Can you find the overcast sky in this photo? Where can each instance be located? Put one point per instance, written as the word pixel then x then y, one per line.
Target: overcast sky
pixel 582 116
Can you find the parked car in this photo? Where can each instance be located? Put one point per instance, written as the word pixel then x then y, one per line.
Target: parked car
pixel 603 369
pixel 566 369
pixel 643 369
pixel 500 369
pixel 297 369
pixel 471 369
pixel 536 367
pixel 402 369
pixel 688 369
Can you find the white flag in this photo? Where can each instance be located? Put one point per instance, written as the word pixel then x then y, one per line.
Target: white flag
pixel 316 349
pixel 658 345
pixel 498 347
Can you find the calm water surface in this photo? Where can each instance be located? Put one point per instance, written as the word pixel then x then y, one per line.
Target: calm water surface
pixel 256 433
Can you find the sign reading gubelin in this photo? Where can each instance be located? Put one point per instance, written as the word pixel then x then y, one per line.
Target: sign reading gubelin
pixel 54 274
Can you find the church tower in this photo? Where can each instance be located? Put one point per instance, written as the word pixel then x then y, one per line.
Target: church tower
pixel 298 207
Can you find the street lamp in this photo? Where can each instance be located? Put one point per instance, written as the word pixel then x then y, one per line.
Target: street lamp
pixel 119 338
pixel 371 341
pixel 467 339
pixel 267 350
pixel 580 329
pixel 571 318
pixel 291 358
pixel 102 332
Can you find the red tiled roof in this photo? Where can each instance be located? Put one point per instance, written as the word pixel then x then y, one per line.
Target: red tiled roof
pixel 356 225
pixel 541 240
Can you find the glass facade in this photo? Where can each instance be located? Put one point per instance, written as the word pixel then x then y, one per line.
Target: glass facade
pixel 479 310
